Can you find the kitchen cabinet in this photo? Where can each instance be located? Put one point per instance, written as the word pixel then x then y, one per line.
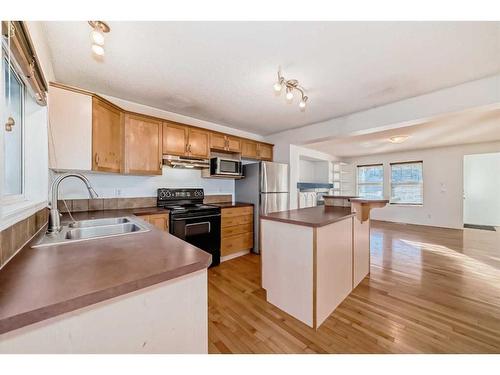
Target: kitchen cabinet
pixel 236 230
pixel 106 137
pixel 143 145
pixel 249 149
pixel 198 143
pixel 265 151
pixel 175 139
pixel 160 221
pixel 224 142
pixel 183 140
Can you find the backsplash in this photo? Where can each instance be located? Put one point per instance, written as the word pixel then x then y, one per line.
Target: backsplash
pixel 82 205
pixel 14 237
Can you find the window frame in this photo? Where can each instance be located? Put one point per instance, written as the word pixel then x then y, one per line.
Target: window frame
pixel 13 199
pixel 382 183
pixel 421 204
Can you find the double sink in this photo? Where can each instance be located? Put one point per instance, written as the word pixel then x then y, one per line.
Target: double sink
pixel 84 230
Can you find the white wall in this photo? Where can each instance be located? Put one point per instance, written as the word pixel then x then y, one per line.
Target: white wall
pixel 482 189
pixel 294 158
pixel 111 186
pixel 443 184
pixel 313 171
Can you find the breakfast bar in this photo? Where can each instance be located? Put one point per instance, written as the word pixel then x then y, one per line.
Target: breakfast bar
pixel 312 258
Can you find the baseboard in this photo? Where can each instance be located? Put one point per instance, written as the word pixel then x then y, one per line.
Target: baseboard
pixel 234 255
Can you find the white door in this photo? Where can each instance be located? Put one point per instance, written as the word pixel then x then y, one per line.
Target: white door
pixel 482 189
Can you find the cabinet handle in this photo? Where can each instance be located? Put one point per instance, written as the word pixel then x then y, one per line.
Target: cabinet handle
pixel 96 159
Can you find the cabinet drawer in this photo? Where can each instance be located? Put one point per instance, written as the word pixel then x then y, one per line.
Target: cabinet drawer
pixel 233 244
pixel 236 220
pixel 237 211
pixel 237 229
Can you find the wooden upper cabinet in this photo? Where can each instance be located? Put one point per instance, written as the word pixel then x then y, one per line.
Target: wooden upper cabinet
pixel 233 144
pixel 143 145
pixel 175 139
pixel 224 142
pixel 107 136
pixel 217 141
pixel 249 149
pixel 198 143
pixel 265 151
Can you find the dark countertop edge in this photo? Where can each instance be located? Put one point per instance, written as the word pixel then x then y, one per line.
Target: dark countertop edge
pixel 341 196
pixel 363 200
pixel 307 223
pixel 50 311
pixel 231 205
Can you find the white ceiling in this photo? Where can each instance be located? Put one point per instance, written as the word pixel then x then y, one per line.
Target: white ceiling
pixel 472 126
pixel 224 71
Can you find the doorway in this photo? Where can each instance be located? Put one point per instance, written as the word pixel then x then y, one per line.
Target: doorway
pixel 482 191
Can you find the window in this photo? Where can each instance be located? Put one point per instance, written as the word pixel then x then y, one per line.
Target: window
pixel 371 181
pixel 407 186
pixel 14 91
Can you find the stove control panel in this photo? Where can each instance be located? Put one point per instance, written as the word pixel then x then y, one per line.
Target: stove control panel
pixel 180 194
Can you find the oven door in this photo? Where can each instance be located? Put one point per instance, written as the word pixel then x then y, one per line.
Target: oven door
pixel 201 231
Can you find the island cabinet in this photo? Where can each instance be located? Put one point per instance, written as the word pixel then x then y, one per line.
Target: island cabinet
pixel 236 231
pixel 307 261
pixel 143 145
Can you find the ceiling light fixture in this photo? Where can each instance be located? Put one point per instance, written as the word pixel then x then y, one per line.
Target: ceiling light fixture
pixel 99 28
pixel 398 138
pixel 290 85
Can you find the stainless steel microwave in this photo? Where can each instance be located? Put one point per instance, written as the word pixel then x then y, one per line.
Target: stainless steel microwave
pixel 225 167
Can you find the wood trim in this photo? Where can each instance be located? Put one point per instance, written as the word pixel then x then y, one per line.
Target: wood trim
pixel 315 278
pixel 407 162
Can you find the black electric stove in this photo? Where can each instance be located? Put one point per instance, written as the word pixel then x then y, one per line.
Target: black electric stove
pixel 191 220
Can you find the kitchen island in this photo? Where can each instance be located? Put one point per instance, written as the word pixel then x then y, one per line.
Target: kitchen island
pixel 312 258
pixel 135 293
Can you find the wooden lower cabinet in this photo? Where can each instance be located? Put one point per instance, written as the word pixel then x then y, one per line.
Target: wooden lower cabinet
pixel 160 221
pixel 236 230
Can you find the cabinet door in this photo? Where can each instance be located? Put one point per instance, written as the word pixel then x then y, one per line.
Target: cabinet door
pixel 249 149
pixel 143 145
pixel 217 141
pixel 107 137
pixel 160 221
pixel 265 151
pixel 233 144
pixel 175 137
pixel 199 143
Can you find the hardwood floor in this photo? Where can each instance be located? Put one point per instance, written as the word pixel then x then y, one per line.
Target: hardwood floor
pixel 430 290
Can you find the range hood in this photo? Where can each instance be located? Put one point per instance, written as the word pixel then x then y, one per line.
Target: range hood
pixel 185 162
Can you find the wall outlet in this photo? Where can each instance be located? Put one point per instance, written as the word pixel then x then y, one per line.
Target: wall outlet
pixel 429 216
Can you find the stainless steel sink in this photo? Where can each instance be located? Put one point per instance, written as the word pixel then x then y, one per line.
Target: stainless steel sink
pixel 99 222
pixel 87 230
pixel 101 231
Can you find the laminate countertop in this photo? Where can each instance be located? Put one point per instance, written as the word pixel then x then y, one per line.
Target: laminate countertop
pixel 40 283
pixel 231 205
pixel 311 217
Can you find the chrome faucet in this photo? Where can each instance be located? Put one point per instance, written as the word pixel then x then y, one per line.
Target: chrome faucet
pixel 54 216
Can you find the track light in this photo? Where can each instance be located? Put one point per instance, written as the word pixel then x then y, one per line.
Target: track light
pixel 99 28
pixel 290 85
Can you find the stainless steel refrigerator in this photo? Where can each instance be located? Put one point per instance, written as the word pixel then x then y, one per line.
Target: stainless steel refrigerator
pixel 266 186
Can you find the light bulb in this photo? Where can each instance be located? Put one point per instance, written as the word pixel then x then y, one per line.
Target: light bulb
pixel 97 49
pixel 97 37
pixel 302 103
pixel 289 95
pixel 277 87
